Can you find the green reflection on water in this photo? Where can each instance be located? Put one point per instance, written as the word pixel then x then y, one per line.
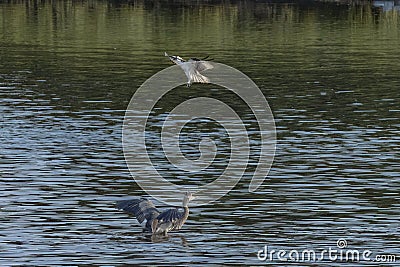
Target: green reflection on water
pixel 98 50
pixel 101 23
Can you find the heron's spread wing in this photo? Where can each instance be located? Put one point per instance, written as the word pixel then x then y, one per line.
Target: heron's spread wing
pixel 173 216
pixel 142 208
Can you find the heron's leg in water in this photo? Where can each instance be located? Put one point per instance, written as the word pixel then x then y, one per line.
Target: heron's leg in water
pixel 188 84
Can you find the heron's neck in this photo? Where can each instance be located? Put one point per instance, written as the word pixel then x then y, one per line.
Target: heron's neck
pixel 185 212
pixel 185 203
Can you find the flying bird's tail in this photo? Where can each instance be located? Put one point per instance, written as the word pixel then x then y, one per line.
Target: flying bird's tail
pixel 198 78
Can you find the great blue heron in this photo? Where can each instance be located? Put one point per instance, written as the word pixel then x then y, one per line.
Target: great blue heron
pixel 192 68
pixel 156 222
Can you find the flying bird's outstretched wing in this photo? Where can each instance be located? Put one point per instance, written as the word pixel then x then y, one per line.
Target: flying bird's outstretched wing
pixel 193 69
pixel 202 65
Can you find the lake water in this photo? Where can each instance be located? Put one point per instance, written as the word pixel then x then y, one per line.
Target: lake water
pixel 329 71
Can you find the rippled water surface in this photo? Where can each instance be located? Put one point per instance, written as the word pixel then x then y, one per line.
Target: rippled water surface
pixel 68 69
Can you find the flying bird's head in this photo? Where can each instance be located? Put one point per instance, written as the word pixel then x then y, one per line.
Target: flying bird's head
pixel 175 59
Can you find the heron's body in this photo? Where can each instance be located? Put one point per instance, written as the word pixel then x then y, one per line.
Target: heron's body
pixel 157 222
pixel 169 220
pixel 192 68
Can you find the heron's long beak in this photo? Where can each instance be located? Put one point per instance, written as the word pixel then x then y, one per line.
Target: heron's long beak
pixel 165 54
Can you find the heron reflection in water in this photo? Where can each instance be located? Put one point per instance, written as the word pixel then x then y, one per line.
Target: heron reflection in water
pixel 192 68
pixel 157 222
